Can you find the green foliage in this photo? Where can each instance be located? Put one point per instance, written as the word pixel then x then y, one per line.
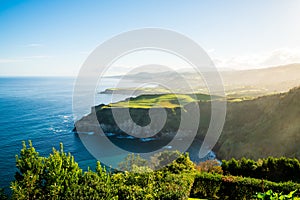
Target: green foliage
pixel 161 100
pixel 153 185
pixel 59 177
pixel 270 195
pixel 172 161
pixel 235 187
pixel 173 181
pixel 134 185
pixel 273 169
pixel 29 183
pixel 211 166
pixel 207 185
pixel 169 186
pixel 132 161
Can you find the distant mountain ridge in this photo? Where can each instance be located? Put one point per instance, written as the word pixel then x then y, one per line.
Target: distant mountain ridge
pixel 254 82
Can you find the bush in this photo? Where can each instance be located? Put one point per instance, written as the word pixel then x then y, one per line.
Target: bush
pixel 131 185
pixel 59 177
pixel 273 195
pixel 173 186
pixel 234 187
pixel 132 160
pixel 153 185
pixel 172 161
pixel 96 185
pixel 207 185
pixel 273 169
pixel 211 166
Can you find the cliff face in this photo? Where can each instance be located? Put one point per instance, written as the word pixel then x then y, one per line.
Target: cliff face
pixel 102 116
pixel 266 126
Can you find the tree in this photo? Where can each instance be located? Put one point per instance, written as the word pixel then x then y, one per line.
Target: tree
pixel 28 183
pixel 132 162
pixel 172 161
pixel 59 177
pixel 45 178
pixel 210 166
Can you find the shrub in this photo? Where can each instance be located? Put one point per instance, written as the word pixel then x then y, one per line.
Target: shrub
pixel 234 187
pixel 59 177
pixel 273 169
pixel 96 185
pixel 173 162
pixel 132 160
pixel 275 196
pixel 173 186
pixel 153 185
pixel 211 166
pixel 207 185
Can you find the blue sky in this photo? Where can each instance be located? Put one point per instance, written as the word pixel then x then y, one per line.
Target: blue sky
pixel 54 37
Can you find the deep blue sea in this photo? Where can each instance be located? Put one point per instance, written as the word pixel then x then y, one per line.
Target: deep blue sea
pixel 38 109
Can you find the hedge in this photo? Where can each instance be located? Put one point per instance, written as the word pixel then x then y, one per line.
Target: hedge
pixel 213 186
pixel 273 169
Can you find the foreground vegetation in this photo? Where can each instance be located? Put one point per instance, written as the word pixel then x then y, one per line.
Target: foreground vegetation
pixel 59 177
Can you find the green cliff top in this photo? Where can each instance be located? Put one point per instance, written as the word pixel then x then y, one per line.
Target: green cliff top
pixel 161 100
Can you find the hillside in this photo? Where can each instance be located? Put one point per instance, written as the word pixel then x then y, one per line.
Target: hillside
pixel 266 126
pixel 244 83
pixel 261 127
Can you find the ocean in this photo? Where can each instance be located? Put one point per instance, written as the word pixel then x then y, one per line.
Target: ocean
pixel 39 109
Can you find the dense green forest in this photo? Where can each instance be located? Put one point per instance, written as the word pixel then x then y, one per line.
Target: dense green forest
pixel 58 176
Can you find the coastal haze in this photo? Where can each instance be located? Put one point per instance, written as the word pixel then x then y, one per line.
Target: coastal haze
pixel 248 82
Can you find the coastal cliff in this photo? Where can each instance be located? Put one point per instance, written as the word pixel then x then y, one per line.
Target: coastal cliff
pixel 102 116
pixel 256 128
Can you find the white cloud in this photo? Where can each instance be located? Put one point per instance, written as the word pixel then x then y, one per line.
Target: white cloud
pixel 282 57
pixel 276 57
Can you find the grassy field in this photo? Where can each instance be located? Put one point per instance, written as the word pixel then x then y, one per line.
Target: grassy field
pixel 162 100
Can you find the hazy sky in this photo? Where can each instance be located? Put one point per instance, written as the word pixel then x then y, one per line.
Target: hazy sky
pixel 54 37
